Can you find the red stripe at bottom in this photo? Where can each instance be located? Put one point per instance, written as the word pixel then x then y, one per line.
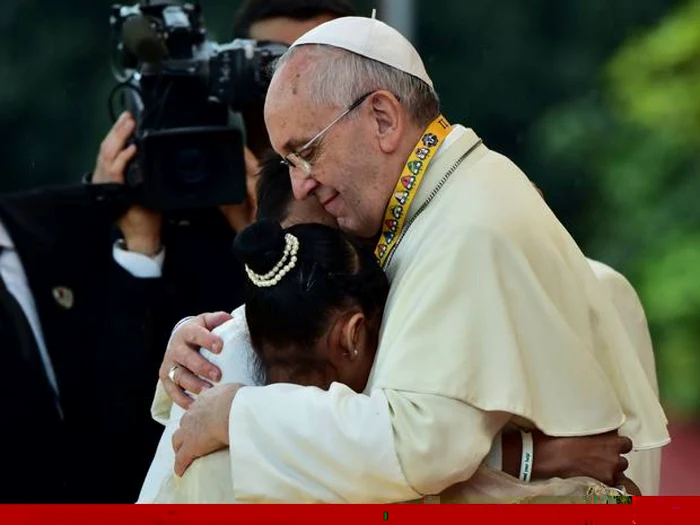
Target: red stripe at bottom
pixel 642 511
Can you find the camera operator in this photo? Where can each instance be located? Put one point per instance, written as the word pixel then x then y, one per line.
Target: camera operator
pixel 279 21
pixel 172 264
pixel 164 265
pixel 142 249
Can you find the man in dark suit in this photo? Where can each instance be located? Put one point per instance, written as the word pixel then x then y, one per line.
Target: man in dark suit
pixel 75 321
pixel 49 259
pixel 198 268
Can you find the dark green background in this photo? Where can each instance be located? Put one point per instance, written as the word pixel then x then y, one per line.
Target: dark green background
pixel 595 100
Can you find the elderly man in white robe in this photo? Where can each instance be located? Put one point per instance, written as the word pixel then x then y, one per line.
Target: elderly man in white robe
pixel 494 319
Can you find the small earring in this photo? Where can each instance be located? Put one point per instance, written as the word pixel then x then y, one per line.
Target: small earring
pixel 355 352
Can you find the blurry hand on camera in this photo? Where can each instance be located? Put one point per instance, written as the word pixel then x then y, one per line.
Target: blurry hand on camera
pixel 141 227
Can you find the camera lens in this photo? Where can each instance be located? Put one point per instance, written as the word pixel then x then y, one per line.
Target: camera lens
pixel 190 166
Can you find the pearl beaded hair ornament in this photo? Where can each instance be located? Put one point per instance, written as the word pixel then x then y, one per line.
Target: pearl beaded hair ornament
pixel 282 268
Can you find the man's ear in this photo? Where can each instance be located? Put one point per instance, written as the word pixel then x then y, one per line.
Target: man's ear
pixel 389 117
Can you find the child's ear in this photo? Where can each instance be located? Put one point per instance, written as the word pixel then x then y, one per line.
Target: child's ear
pixel 347 337
pixel 353 335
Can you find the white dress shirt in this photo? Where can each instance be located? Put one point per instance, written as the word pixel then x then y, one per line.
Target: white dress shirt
pixel 138 264
pixel 12 273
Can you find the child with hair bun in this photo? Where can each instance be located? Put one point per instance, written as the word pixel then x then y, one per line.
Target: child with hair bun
pixel 313 308
pixel 314 318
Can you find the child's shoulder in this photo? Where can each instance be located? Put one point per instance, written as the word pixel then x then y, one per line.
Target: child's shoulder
pixel 236 360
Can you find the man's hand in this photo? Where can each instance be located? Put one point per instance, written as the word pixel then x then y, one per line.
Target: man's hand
pixel 183 353
pixel 141 227
pixel 598 457
pixel 204 427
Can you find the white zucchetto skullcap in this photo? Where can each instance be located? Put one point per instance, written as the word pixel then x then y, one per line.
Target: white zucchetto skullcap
pixel 369 38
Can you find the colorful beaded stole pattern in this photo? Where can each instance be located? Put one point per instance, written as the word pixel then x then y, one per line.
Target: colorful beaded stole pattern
pixel 407 186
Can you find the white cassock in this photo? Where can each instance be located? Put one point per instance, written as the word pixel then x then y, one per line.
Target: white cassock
pixel 645 465
pixel 494 317
pixel 209 479
pixel 493 311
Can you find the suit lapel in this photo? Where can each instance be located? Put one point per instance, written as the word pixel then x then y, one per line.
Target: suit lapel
pixel 55 236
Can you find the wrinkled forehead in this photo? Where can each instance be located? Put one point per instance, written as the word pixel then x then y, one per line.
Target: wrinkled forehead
pixel 291 116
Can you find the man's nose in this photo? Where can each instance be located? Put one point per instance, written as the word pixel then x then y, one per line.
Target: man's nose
pixel 302 186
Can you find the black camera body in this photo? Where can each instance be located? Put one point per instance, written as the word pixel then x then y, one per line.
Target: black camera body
pixel 183 89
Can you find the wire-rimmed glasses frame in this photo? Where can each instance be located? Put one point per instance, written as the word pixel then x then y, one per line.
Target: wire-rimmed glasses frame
pixel 295 160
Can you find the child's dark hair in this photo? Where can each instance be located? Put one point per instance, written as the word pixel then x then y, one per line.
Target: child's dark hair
pixel 273 188
pixel 332 272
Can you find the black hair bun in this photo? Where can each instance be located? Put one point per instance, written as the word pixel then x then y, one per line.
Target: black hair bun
pixel 260 246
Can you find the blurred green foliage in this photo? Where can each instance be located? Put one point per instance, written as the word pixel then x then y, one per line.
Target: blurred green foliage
pixel 638 140
pixel 596 100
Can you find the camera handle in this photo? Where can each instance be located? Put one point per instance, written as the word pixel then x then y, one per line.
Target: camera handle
pixel 133 175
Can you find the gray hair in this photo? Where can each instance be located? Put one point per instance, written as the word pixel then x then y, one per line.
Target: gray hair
pixel 340 77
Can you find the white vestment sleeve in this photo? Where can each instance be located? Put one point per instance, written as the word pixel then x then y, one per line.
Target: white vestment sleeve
pixel 632 315
pixel 440 441
pixel 301 444
pixel 644 465
pixel 298 444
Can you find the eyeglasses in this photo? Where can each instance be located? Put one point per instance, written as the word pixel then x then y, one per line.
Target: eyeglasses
pixel 295 159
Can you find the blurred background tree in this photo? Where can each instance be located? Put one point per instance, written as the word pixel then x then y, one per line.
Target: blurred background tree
pixel 597 101
pixel 638 141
